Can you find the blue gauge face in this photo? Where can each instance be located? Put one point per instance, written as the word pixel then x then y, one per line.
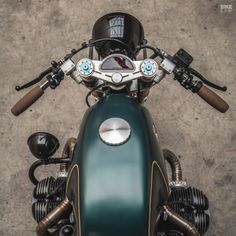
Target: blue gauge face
pixel 117 62
pixel 86 67
pixel 149 67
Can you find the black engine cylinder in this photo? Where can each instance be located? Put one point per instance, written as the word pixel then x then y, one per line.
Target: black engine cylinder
pixel 191 204
pixel 48 194
pixel 191 196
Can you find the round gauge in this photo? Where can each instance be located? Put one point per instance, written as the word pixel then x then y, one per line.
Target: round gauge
pixel 117 62
pixel 149 68
pixel 85 67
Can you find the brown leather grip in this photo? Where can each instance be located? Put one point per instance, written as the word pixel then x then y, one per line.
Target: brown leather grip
pixel 25 102
pixel 213 99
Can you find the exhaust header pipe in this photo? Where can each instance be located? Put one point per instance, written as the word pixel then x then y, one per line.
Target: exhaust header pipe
pixel 180 222
pixel 174 162
pixel 53 217
pixel 67 152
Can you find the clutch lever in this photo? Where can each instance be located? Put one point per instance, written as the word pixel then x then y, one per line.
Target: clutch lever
pixel 55 68
pixel 36 80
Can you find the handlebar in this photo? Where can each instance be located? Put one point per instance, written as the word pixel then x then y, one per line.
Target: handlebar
pixel 179 65
pixel 213 99
pixel 32 96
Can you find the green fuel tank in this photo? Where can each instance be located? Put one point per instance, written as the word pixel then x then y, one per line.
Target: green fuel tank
pixel 117 189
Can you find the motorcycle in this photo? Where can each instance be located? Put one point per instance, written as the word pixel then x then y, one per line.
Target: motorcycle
pixel 112 180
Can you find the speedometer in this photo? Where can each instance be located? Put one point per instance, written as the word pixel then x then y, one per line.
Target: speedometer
pixel 117 62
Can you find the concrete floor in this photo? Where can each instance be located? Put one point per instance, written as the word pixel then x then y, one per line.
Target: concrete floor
pixel 35 32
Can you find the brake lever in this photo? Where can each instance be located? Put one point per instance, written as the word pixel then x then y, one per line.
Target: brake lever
pixel 183 59
pixel 205 81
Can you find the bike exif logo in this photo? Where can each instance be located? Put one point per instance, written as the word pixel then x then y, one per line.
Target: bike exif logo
pixel 226 8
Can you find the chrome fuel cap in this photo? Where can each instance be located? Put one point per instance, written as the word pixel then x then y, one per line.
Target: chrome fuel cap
pixel 114 131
